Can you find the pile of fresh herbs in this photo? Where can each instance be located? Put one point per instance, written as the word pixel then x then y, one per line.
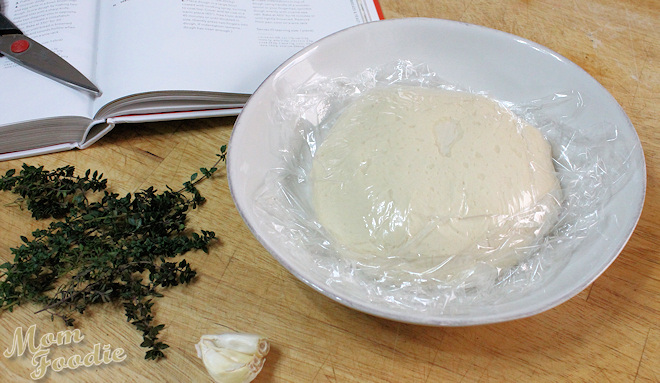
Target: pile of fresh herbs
pixel 101 247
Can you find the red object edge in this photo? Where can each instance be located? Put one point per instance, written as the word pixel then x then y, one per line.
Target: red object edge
pixel 379 10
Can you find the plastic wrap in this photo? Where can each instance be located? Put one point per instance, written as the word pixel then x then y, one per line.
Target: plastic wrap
pixel 431 215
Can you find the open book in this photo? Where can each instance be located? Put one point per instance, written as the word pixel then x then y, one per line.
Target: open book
pixel 153 60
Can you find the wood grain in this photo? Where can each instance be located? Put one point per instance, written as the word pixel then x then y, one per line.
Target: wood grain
pixel 609 332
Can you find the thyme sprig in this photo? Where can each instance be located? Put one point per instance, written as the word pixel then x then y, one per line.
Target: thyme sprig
pixel 100 250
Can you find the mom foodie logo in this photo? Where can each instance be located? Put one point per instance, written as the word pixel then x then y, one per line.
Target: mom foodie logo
pixel 40 351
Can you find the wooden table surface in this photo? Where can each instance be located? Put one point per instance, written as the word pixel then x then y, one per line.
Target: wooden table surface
pixel 608 333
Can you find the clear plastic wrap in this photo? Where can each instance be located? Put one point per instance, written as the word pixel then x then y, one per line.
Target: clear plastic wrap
pixel 424 218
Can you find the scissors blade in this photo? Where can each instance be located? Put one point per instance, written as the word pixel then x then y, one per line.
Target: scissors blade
pixel 32 55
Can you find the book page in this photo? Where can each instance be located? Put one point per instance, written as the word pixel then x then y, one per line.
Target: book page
pixel 67 27
pixel 221 46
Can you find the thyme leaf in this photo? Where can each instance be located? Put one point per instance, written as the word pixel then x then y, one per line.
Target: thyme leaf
pixel 101 247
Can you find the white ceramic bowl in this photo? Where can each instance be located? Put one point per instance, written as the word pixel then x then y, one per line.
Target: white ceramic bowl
pixel 507 67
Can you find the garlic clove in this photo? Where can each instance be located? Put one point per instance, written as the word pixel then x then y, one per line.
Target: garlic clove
pixel 233 358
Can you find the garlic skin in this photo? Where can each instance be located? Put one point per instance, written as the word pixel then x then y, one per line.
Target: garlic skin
pixel 233 357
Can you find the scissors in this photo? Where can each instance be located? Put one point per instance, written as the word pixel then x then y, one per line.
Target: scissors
pixel 32 55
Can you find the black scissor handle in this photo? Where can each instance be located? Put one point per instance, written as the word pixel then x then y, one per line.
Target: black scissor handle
pixel 7 27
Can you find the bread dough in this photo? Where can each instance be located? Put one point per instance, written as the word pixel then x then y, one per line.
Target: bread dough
pixel 432 181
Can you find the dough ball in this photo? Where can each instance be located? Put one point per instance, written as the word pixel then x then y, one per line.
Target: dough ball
pixel 432 181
